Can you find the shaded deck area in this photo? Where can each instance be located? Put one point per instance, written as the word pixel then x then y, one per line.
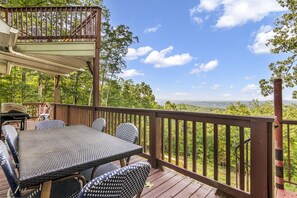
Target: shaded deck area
pixel 164 183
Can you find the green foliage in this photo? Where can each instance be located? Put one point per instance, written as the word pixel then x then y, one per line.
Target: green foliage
pixel 284 42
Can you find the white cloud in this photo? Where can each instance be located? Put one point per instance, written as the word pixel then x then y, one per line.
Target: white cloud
pixel 227 95
pixel 197 20
pixel 251 88
pixel 211 65
pixel 250 77
pixel 130 73
pixel 135 53
pixel 159 59
pixel 231 86
pixel 215 86
pixel 237 12
pixel 182 94
pixel 259 45
pixel 152 29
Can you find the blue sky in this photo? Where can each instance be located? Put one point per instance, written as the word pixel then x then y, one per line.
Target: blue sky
pixel 199 50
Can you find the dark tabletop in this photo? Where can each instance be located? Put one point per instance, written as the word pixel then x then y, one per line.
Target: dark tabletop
pixel 52 153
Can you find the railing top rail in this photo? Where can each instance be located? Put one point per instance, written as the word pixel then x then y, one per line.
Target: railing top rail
pixel 289 121
pixel 50 7
pixel 161 113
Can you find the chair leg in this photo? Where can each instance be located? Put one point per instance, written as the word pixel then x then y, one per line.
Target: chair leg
pixel 138 194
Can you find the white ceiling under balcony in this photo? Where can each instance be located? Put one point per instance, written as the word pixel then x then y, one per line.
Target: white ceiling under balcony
pixel 55 58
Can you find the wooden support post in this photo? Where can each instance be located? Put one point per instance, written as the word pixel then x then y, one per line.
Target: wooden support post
pixel 261 160
pixel 155 140
pixel 96 66
pixel 278 112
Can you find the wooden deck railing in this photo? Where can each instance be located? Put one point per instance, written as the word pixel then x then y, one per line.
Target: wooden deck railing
pixel 50 23
pixel 201 146
pixel 290 138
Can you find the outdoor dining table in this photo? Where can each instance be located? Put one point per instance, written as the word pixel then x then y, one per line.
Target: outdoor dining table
pixel 49 154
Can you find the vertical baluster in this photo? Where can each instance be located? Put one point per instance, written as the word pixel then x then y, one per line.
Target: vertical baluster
pixel 66 22
pixel 51 21
pixel 144 133
pixel 56 22
pixel 204 149
pixel 26 21
pixel 162 138
pixel 36 22
pixel 71 22
pixel 169 140
pixel 86 20
pixel 17 19
pixel 194 154
pixel 185 145
pixel 289 153
pixel 228 161
pixel 41 18
pixel 241 159
pixel 215 153
pixel 139 129
pixel 61 21
pixel 80 24
pixel 247 167
pixel 31 9
pixel 113 124
pixel 21 21
pixel 177 142
pixel 91 22
pixel 46 21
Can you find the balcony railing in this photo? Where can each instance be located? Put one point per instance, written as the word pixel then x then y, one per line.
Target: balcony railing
pixel 199 145
pixel 290 138
pixel 49 23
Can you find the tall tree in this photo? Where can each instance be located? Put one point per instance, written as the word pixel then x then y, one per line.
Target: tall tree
pixel 284 42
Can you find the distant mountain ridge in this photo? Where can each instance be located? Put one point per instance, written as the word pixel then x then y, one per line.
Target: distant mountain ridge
pixel 217 104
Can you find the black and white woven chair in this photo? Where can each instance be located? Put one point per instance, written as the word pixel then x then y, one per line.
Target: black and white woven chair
pixel 49 124
pixel 125 182
pixel 125 131
pixel 12 140
pixel 65 187
pixel 99 124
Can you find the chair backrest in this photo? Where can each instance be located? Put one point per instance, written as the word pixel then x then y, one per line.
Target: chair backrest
pixel 9 170
pixel 127 132
pixel 99 124
pixel 125 182
pixel 12 139
pixel 48 124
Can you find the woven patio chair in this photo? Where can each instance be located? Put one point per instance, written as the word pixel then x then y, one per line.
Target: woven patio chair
pixel 125 131
pixel 49 124
pixel 12 140
pixel 99 124
pixel 64 187
pixel 125 182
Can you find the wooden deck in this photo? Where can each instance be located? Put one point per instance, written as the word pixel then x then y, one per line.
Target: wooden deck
pixel 164 183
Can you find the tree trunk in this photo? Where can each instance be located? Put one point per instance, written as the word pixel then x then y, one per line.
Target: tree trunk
pixel 24 81
pixel 40 85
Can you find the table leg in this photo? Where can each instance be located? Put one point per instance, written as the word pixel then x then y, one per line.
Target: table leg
pixel 46 189
pixel 123 162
